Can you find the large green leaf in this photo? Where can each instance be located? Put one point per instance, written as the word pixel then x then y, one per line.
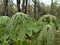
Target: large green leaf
pixel 16 27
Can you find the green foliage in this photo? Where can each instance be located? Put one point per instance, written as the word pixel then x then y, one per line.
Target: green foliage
pixel 32 26
pixel 49 19
pixel 23 30
pixel 47 36
pixel 4 20
pixel 20 25
pixel 17 28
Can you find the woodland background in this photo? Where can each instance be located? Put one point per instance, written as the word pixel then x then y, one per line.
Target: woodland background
pixel 37 9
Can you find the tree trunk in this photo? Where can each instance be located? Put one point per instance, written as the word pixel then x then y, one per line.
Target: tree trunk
pixel 5 7
pixel 26 6
pixel 35 9
pixel 23 6
pixel 52 7
pixel 29 7
pixel 18 6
